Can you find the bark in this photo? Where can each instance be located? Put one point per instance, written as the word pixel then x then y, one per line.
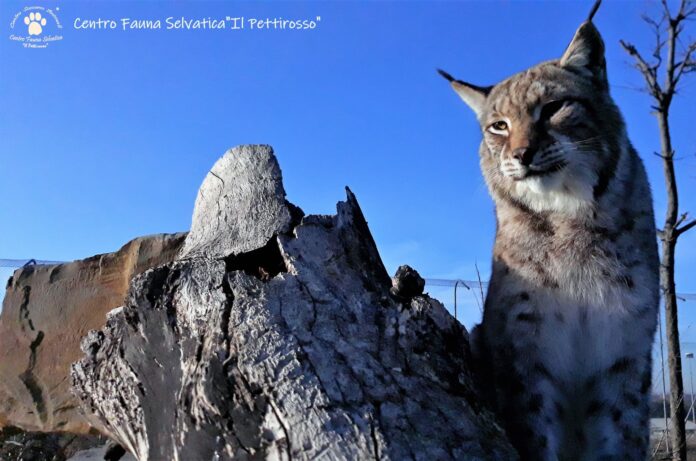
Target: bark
pixel 676 394
pixel 294 348
pixel 668 288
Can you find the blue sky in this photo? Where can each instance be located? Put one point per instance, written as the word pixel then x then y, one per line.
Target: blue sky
pixel 107 134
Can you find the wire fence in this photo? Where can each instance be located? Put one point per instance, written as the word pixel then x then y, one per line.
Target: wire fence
pixel 477 288
pixel 16 263
pixel 465 300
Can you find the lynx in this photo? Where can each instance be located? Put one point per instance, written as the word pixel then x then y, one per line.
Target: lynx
pixel 564 348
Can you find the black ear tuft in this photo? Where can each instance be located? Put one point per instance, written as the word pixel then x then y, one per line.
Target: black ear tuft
pixel 473 95
pixel 593 11
pixel 444 74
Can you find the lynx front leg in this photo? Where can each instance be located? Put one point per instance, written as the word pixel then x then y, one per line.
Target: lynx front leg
pixel 527 396
pixel 617 413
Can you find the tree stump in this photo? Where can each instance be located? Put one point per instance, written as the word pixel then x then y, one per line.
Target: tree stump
pixel 275 336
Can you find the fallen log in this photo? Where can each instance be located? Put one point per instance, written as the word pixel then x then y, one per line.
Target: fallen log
pixel 47 309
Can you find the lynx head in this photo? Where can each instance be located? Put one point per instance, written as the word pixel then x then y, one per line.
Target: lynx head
pixel 551 134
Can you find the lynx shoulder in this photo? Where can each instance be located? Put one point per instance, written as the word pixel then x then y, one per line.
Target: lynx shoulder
pixel 571 309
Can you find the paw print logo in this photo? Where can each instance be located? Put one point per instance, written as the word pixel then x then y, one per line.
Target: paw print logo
pixel 35 23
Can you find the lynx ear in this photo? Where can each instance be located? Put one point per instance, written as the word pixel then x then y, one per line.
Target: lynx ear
pixel 474 96
pixel 586 52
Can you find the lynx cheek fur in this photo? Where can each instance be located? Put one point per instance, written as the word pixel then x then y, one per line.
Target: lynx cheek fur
pixel 571 310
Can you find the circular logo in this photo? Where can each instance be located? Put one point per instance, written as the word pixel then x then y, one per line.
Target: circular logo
pixel 36 27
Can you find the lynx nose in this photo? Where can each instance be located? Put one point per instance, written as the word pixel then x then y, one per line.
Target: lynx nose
pixel 524 155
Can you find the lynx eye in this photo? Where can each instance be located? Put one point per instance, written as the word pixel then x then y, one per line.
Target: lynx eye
pixel 499 127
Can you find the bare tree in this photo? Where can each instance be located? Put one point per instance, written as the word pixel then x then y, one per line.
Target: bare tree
pixel 662 77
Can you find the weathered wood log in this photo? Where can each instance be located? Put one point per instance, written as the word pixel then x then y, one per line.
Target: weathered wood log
pixel 45 313
pixel 275 336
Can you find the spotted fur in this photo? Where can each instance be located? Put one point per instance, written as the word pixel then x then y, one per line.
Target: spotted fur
pixel 570 314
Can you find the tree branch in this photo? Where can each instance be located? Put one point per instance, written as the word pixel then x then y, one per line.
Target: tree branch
pixel 681 219
pixel 666 7
pixel 675 70
pixel 659 43
pixel 680 230
pixel 687 64
pixel 649 72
